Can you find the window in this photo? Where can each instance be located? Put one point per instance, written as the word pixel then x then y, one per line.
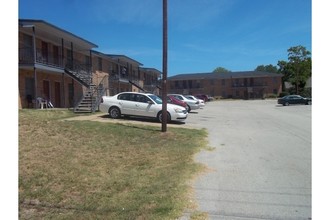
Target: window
pixel 142 98
pixel 87 60
pixel 189 84
pixel 223 82
pixel 198 84
pixel 124 96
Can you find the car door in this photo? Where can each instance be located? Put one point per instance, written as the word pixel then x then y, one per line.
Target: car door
pixel 145 106
pixel 126 104
pixel 300 100
pixel 295 99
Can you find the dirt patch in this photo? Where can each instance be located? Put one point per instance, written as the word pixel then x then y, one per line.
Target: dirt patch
pixel 102 117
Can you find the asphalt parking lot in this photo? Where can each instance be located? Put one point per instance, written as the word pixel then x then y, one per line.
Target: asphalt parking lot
pixel 260 167
pixel 261 164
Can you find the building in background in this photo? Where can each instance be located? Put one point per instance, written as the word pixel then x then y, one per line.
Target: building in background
pixel 238 85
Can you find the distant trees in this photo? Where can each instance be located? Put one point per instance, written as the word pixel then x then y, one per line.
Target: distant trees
pixel 268 68
pixel 298 68
pixel 221 70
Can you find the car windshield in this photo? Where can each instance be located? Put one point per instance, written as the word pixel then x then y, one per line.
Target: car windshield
pixel 156 99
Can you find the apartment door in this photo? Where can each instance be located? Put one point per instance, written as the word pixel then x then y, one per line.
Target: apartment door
pixel 56 55
pixel 44 52
pixel 57 101
pixel 46 90
pixel 71 94
pixel 29 91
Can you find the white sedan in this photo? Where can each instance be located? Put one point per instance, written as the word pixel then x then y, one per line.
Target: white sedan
pixel 192 104
pixel 141 105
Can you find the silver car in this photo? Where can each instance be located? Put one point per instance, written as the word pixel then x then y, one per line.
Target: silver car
pixel 201 101
pixel 141 105
pixel 192 104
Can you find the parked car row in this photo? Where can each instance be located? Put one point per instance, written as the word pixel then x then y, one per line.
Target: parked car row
pixel 206 98
pixel 149 105
pixel 191 103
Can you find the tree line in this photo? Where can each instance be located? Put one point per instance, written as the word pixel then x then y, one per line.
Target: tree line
pixel 296 70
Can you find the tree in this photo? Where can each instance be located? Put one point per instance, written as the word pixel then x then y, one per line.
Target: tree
pixel 298 68
pixel 221 70
pixel 268 68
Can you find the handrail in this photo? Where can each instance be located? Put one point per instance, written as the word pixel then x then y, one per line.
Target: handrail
pixel 26 57
pixel 99 90
pixel 79 70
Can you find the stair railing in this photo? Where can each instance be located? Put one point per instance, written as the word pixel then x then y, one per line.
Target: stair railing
pixel 79 70
pixel 98 92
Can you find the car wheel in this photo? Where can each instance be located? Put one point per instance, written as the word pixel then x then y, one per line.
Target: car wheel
pixel 160 117
pixel 309 103
pixel 286 104
pixel 114 112
pixel 188 108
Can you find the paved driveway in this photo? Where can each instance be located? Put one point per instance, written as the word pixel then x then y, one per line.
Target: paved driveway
pixel 261 165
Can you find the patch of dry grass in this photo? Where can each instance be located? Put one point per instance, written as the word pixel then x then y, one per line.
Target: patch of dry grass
pixel 93 170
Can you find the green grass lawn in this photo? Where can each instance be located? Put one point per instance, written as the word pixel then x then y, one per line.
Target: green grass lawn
pixel 92 170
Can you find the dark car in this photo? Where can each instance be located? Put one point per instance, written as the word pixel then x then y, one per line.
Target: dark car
pixel 294 99
pixel 171 99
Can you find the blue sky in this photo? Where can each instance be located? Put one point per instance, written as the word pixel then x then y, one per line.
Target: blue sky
pixel 238 35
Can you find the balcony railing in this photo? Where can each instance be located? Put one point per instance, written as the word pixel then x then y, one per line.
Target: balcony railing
pixel 26 56
pixel 124 77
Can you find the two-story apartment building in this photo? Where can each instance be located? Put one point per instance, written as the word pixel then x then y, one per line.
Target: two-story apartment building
pixel 66 70
pixel 53 64
pixel 125 75
pixel 242 85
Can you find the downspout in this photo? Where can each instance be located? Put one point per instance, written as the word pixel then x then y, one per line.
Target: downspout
pixel 63 90
pixel 72 56
pixel 118 76
pixel 91 66
pixel 63 87
pixel 34 67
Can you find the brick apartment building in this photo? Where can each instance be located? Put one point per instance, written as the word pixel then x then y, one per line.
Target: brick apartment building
pixel 240 85
pixel 66 70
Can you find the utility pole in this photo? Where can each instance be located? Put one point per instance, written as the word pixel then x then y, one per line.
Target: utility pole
pixel 164 81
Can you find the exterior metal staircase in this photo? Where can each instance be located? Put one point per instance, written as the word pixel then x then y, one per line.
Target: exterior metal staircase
pixel 91 98
pixel 136 84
